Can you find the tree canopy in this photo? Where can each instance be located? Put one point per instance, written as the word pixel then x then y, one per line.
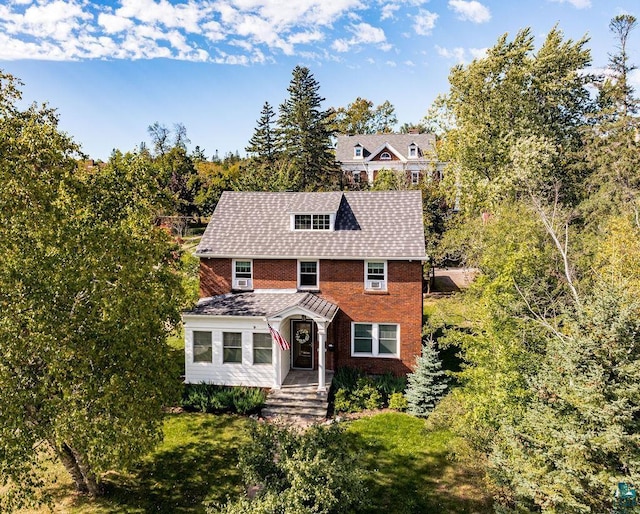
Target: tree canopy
pixel 89 290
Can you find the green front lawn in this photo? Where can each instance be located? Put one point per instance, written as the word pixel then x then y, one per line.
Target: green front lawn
pixel 408 470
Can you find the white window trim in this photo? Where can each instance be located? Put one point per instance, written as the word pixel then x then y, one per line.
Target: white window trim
pixel 413 151
pixel 385 156
pixel 234 363
pixel 417 175
pixel 193 350
pixel 311 288
pixel 369 285
pixel 355 152
pixel 238 282
pixel 253 349
pixel 332 222
pixel 375 331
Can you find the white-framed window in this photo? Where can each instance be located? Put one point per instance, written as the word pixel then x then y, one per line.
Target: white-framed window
pixel 415 177
pixel 232 347
pixel 202 346
pixel 312 221
pixel 357 152
pixel 375 340
pixel 262 348
pixel 308 275
pixel 385 156
pixel 356 177
pixel 242 274
pixel 413 151
pixel 375 275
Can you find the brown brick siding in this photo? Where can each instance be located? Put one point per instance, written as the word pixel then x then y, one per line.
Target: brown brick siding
pixel 342 282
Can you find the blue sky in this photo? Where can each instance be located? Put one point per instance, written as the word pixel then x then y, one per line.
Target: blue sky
pixel 112 68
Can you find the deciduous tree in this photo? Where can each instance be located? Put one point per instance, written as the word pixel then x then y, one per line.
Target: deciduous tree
pixel 88 292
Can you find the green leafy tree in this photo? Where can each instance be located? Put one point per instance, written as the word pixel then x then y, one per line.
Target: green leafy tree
pixel 311 472
pixel 89 290
pixel 360 117
pixel 612 146
pixel 516 93
pixel 427 384
pixel 262 143
pixel 304 133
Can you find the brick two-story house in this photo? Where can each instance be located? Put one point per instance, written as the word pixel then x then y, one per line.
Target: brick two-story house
pixel 338 275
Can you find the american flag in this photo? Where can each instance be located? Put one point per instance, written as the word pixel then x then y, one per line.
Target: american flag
pixel 277 337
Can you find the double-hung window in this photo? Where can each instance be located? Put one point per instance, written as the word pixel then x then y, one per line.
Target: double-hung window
pixel 242 274
pixel 202 347
pixel 375 340
pixel 232 347
pixel 262 348
pixel 308 275
pixel 415 177
pixel 375 274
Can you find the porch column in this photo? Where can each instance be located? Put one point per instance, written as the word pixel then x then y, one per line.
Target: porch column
pixel 322 340
pixel 277 358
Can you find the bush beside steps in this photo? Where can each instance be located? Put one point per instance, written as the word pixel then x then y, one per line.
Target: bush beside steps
pixel 213 398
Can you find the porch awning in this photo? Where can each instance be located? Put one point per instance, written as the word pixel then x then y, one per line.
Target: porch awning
pixel 268 305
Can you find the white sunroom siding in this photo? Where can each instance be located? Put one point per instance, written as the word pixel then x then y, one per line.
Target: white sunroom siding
pixel 217 372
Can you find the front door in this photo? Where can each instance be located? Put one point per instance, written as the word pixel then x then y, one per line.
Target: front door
pixel 302 344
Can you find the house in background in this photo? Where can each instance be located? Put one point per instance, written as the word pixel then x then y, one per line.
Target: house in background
pixel 337 275
pixel 362 156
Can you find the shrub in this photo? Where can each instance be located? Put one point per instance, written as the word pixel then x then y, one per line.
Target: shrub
pixel 388 384
pixel 299 472
pixel 363 395
pixel 346 378
pixel 398 401
pixel 214 398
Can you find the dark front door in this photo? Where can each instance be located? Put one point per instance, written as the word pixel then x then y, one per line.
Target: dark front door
pixel 302 344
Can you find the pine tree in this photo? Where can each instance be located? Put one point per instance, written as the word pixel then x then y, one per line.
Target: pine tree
pixel 262 143
pixel 427 384
pixel 304 134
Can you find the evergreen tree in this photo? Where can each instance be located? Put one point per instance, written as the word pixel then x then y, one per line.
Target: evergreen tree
pixel 262 143
pixel 427 384
pixel 304 134
pixel 579 435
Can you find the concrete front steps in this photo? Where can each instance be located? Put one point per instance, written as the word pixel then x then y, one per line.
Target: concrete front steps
pixel 299 398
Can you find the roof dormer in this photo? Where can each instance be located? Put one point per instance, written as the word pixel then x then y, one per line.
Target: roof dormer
pixel 358 152
pixel 412 152
pixel 314 211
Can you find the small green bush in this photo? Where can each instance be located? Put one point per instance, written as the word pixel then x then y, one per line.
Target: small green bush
pixel 398 401
pixel 214 398
pixel 388 384
pixel 310 472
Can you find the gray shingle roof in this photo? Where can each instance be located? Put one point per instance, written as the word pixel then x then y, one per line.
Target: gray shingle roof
pixel 263 305
pixel 426 144
pixel 381 224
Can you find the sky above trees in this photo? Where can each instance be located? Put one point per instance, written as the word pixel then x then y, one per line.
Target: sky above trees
pixel 113 68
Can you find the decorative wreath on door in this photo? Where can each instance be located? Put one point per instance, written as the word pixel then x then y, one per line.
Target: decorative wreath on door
pixel 302 336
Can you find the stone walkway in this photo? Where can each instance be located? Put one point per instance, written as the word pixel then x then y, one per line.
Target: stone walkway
pixel 299 397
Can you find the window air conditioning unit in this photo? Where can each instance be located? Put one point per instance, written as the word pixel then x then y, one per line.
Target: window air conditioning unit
pixel 375 284
pixel 242 282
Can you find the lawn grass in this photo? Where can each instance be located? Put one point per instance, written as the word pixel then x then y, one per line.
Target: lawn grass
pixel 409 471
pixel 196 462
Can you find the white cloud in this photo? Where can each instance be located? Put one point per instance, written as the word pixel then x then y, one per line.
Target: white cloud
pixel 578 4
pixel 305 37
pixel 113 24
pixel 411 64
pixel 424 23
pixel 363 33
pixel 456 54
pixel 185 16
pixel 393 64
pixel 470 10
pixel 478 53
pixel 388 11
